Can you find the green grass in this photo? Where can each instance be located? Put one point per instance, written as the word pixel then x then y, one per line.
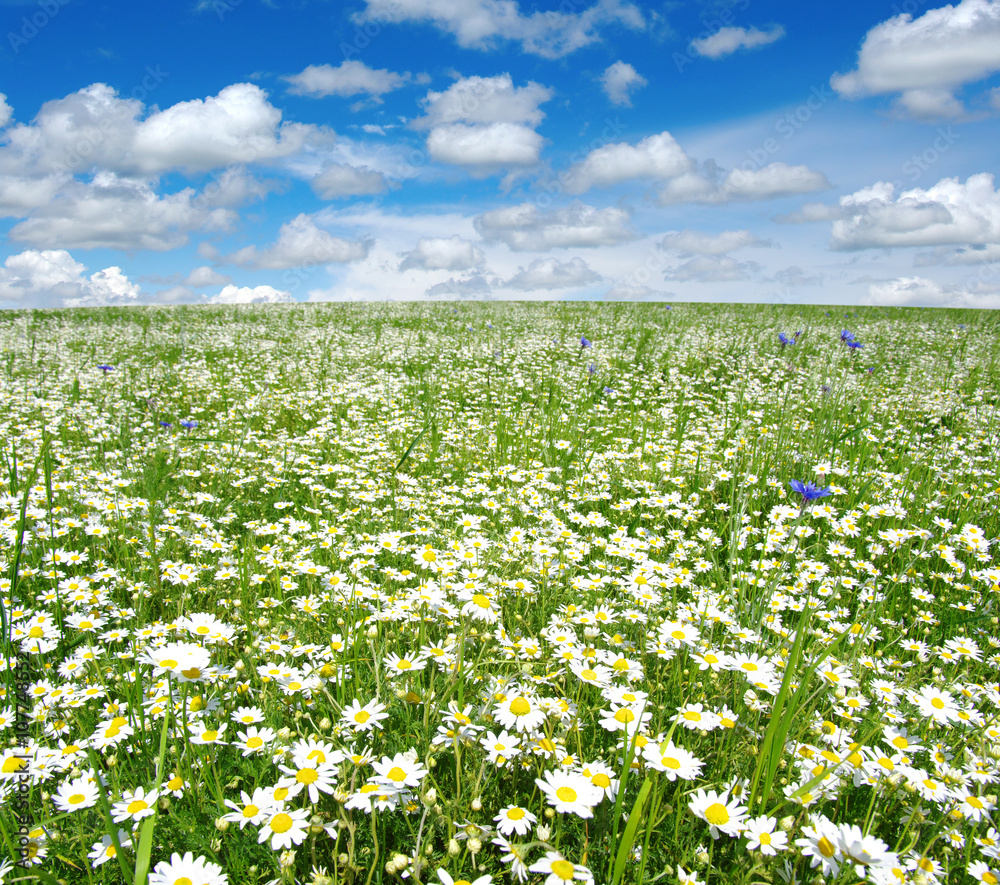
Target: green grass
pixel 602 520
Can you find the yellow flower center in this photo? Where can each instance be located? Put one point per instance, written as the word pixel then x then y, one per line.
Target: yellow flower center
pixel 396 774
pixel 624 715
pixel 251 811
pixel 281 822
pixel 717 814
pixel 520 707
pixel 826 847
pixel 566 794
pixel 515 814
pixel 307 775
pixel 136 805
pixel 362 716
pixel 563 869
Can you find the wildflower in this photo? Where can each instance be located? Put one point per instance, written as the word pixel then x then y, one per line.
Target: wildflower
pixel 809 491
pixel 584 343
pixel 285 828
pixel 250 809
pixel 520 713
pixel 628 718
pixel 515 819
pixel 761 836
pixel 134 806
pixel 181 870
pixel 722 813
pixel 76 794
pixel 570 793
pixel 103 851
pixel 365 718
pixel 446 879
pixel 819 842
pixel 255 741
pixel 560 870
pixel 982 872
pixel 400 771
pixel 312 779
pixel 675 762
pixel 861 850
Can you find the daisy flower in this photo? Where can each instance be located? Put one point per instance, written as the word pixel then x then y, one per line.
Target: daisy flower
pixel 696 718
pixel 560 870
pixel 520 713
pixel 819 843
pixel 182 870
pixel 285 828
pixel 103 851
pixel 762 837
pixel 861 850
pixel 364 718
pixel 250 809
pixel 982 872
pixel 446 879
pixel 629 718
pixel 398 666
pixel 515 819
pixel 76 794
pixel 515 857
pixel 255 741
pixel 134 806
pixel 312 779
pixel 675 762
pixel 570 793
pixel 400 771
pixel 720 812
pixel 500 748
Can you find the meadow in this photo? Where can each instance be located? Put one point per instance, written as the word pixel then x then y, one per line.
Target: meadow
pixel 489 593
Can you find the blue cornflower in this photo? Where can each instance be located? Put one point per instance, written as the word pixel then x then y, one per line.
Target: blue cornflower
pixel 584 342
pixel 784 339
pixel 846 336
pixel 106 369
pixel 188 425
pixel 854 345
pixel 808 490
pixel 166 424
pixel 592 368
pixel 609 390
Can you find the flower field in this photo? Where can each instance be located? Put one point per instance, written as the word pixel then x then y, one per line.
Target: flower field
pixel 489 593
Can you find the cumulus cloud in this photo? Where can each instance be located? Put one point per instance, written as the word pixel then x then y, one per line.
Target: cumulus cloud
pixel 257 295
pixel 476 284
pixel 550 273
pixel 349 78
pixel 926 59
pixel 344 180
pixel 484 24
pixel 949 213
pixel 524 228
pixel 53 278
pixel 657 156
pixel 205 276
pixel 712 269
pixel 6 111
pixel 442 253
pixel 726 41
pixel 700 243
pixel 767 183
pixel 301 243
pixel 119 213
pixel 484 122
pixel 488 147
pixel 96 129
pixel 619 80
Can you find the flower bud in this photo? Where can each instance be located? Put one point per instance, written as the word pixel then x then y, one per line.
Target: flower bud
pixel 454 849
pixel 221 824
pixel 477 805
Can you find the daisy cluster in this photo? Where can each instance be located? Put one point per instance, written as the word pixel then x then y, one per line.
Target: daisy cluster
pixel 457 592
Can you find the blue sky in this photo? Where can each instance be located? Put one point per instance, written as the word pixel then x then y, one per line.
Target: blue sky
pixel 241 150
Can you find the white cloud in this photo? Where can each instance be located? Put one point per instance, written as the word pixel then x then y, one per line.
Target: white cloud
pixel 53 278
pixel 550 273
pixel 726 41
pixel 235 187
pixel 485 100
pixel 343 180
pixel 525 229
pixel 766 183
pixel 489 147
pixel 6 111
pixel 701 243
pixel 257 295
pixel 482 24
pixel 205 276
pixel 349 78
pixel 624 291
pixel 119 213
pixel 301 244
pixel 96 129
pixel 619 80
pixel 928 58
pixel 909 292
pixel 20 194
pixel 476 284
pixel 949 213
pixel 441 253
pixel 712 269
pixel 485 123
pixel 657 156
